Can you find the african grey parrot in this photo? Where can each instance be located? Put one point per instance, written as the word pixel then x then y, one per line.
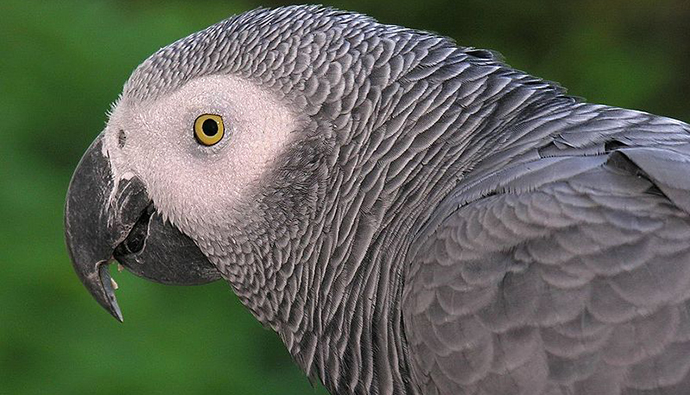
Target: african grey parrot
pixel 410 216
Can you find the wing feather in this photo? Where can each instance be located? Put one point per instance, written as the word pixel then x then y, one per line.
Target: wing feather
pixel 561 275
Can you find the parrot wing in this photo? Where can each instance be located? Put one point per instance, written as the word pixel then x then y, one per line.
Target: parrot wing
pixel 567 274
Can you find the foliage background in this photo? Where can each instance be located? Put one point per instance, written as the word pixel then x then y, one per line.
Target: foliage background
pixel 64 62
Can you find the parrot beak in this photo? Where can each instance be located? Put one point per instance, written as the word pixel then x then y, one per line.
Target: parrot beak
pixel 92 228
pixel 107 219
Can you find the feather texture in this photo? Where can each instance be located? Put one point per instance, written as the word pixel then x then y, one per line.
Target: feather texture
pixel 567 274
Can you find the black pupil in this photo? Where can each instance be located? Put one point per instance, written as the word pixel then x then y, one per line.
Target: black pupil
pixel 210 127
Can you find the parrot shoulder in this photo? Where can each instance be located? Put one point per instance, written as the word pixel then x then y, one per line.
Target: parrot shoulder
pixel 565 274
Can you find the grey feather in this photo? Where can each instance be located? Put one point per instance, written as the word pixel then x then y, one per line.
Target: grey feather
pixel 592 263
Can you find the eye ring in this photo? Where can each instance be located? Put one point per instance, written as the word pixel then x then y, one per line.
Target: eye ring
pixel 209 129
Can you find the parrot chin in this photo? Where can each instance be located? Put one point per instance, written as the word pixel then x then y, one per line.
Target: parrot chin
pixel 108 219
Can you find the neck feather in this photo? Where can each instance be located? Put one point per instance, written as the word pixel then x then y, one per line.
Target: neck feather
pixel 326 270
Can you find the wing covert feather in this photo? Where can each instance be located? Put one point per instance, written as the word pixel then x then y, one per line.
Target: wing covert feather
pixel 564 275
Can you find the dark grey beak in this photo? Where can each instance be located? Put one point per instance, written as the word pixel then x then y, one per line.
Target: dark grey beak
pixel 106 220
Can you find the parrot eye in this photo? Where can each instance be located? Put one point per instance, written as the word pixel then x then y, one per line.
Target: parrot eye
pixel 209 129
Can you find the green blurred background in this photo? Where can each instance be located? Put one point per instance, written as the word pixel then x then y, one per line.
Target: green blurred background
pixel 63 63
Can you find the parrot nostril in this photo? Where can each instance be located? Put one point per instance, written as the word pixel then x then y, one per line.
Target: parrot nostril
pixel 121 139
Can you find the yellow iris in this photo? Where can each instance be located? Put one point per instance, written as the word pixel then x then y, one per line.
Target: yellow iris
pixel 209 129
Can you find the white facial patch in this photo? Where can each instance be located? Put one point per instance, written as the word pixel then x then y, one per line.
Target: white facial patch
pixel 190 183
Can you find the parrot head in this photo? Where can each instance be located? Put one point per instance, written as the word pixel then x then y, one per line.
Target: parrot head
pixel 269 150
pixel 205 161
